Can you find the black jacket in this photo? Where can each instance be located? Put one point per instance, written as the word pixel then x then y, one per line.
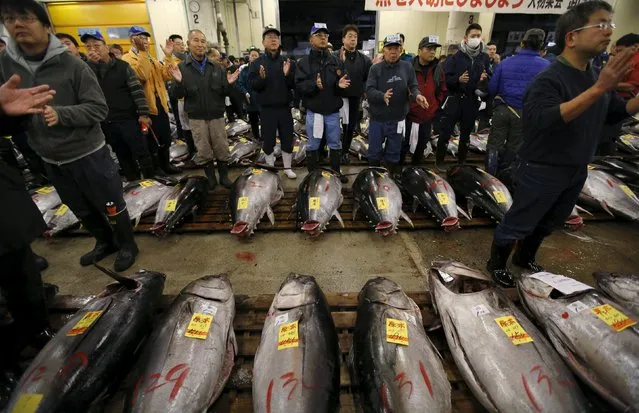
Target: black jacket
pixel 456 65
pixel 275 90
pixel 327 100
pixel 203 93
pixel 357 66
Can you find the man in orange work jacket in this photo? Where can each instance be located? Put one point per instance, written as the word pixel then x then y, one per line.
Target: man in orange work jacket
pixel 153 76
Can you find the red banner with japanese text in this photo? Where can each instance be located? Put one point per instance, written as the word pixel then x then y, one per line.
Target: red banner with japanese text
pixel 478 6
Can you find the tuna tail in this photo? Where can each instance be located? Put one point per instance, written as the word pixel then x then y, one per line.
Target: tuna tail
pixel 470 205
pixel 461 211
pixel 406 218
pixel 585 211
pixel 355 208
pixel 127 282
pixel 415 203
pixel 270 214
pixel 604 206
pixel 339 218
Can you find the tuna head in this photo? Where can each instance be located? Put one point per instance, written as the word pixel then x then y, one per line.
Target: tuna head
pixel 296 291
pixel 211 287
pixel 253 194
pixel 384 291
pixel 318 199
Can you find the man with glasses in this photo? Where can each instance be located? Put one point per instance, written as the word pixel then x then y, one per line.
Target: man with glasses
pixel 318 77
pixel 564 111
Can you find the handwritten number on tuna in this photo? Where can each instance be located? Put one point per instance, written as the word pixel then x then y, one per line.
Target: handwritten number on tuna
pixel 176 375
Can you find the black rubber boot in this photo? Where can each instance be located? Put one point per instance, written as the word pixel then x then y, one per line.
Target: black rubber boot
pixel 312 160
pixel 463 151
pixel 223 170
pixel 375 163
pixel 41 262
pixel 105 244
pixel 440 154
pixel 209 170
pixel 165 162
pixel 123 229
pixel 526 251
pixel 188 138
pixel 157 171
pixel 129 169
pixel 147 168
pixel 492 162
pixel 336 158
pixel 497 267
pixel 346 145
pixel 418 156
pixel 395 170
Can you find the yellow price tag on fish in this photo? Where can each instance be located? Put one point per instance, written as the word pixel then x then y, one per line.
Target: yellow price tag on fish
pixel 243 140
pixel 313 202
pixel 591 167
pixel 513 330
pixel 242 202
pixel 396 331
pixel 170 205
pixel 27 403
pixel 257 171
pixel 146 184
pixel 613 317
pixel 382 202
pixel 288 336
pixel 326 174
pixel 227 127
pixel 199 326
pixel 500 197
pixel 442 197
pixel 627 190
pixel 62 209
pixel 231 147
pixel 626 138
pixel 45 190
pixel 296 148
pixel 85 322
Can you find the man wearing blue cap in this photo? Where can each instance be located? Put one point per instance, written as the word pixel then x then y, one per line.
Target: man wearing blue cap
pixel 317 79
pixel 127 107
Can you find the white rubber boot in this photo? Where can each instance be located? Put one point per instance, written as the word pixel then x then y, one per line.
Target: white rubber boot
pixel 270 159
pixel 287 158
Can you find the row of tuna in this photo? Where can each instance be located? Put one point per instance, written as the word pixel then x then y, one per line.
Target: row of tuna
pixel 507 362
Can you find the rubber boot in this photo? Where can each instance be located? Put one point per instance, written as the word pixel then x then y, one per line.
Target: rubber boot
pixel 105 244
pixel 223 170
pixel 165 163
pixel 123 229
pixel 375 163
pixel 157 171
pixel 526 251
pixel 395 170
pixel 129 169
pixel 209 170
pixel 497 267
pixel 287 159
pixel 492 162
pixel 188 138
pixel 507 159
pixel 41 262
pixel 312 160
pixel 336 158
pixel 440 154
pixel 270 159
pixel 146 166
pixel 463 151
pixel 418 156
pixel 346 145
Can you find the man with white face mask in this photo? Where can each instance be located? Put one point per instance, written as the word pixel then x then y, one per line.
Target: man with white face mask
pixel 467 74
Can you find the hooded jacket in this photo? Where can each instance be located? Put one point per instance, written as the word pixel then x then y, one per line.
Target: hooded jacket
pixel 78 101
pixel 327 100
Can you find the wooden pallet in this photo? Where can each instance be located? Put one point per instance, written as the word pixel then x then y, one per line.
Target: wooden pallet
pixel 249 320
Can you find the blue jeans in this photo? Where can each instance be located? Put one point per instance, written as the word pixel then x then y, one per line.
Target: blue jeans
pixel 377 133
pixel 332 131
pixel 544 197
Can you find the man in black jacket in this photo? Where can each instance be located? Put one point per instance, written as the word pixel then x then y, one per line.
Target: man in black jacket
pixel 318 78
pixel 204 85
pixel 272 77
pixel 357 66
pixel 127 107
pixel 467 74
pixel 20 224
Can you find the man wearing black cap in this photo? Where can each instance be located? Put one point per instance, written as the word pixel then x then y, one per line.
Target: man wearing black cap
pixel 252 107
pixel 127 107
pixel 272 76
pixel 390 85
pixel 318 78
pixel 432 85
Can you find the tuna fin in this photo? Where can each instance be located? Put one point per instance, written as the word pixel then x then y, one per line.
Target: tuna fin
pixel 339 218
pixel 406 218
pixel 470 205
pixel 355 208
pixel 585 211
pixel 270 214
pixel 127 282
pixel 137 221
pixel 461 211
pixel 604 205
pixel 415 204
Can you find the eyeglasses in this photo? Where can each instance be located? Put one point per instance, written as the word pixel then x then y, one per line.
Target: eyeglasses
pixel 321 34
pixel 24 18
pixel 600 26
pixel 93 46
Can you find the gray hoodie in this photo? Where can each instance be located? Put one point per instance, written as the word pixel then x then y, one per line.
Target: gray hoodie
pixel 79 102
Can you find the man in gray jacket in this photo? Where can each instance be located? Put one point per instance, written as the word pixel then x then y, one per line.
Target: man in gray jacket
pixel 67 135
pixel 389 85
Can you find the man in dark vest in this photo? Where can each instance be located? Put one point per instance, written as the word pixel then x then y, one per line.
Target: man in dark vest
pixel 128 109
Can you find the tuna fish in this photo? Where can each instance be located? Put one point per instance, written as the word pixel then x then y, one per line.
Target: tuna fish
pixel 254 194
pixel 143 197
pixel 627 172
pixel 478 142
pixel 243 149
pixel 46 198
pixel 296 367
pixel 610 194
pixel 237 127
pixel 574 220
pixel 629 143
pixel 318 200
pixel 186 198
pixel 622 288
pixel 480 188
pixel 453 146
pixel 59 220
pixel 397 367
pixel 434 194
pixel 359 147
pixel 363 126
pixel 377 195
pixel 596 337
pixel 507 363
pixel 193 348
pixel 298 126
pixel 299 150
pixel 92 351
pixel 178 151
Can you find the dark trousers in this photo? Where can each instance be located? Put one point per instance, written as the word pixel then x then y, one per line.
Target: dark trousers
pixel 353 121
pixel 175 109
pixel 86 185
pixel 35 163
pixel 254 120
pixel 423 136
pixel 125 137
pixel 380 132
pixel 161 128
pixel 462 109
pixel 543 199
pixel 486 114
pixel 274 120
pixel 21 283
